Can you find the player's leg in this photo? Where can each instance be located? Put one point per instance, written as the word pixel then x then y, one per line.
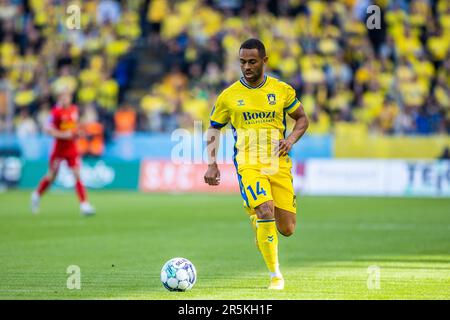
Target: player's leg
pixel 85 206
pixel 283 211
pixel 286 221
pixel 284 201
pixel 257 195
pixel 250 211
pixel 253 218
pixel 45 183
pixel 266 233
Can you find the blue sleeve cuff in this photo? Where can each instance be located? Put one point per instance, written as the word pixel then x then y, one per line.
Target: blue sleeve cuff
pixel 217 125
pixel 293 104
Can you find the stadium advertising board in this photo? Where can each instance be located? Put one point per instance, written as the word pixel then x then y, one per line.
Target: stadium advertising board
pixel 95 174
pixel 166 176
pixel 10 171
pixel 349 177
pixel 428 178
pixel 377 178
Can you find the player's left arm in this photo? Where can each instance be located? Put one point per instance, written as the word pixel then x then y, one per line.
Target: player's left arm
pixel 300 127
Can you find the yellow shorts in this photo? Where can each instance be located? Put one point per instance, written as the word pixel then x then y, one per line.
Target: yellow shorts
pixel 258 187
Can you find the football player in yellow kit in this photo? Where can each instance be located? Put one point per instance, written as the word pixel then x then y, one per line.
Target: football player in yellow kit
pixel 256 106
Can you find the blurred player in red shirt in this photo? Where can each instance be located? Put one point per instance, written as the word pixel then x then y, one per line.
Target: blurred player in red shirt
pixel 63 126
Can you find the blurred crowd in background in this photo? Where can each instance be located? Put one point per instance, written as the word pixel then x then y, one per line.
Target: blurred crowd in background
pixel 393 80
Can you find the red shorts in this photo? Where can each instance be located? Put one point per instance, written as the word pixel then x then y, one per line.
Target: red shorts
pixel 72 161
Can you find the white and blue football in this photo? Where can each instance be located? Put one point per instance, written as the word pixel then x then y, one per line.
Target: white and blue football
pixel 178 274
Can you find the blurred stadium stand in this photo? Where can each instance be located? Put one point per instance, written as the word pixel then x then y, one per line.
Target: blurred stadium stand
pixel 150 67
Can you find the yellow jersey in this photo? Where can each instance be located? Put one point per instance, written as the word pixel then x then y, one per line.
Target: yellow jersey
pixel 258 120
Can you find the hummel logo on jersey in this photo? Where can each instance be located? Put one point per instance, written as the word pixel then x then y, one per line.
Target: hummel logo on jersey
pixel 270 238
pixel 240 103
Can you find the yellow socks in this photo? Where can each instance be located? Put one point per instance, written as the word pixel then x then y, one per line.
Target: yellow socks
pixel 253 219
pixel 266 234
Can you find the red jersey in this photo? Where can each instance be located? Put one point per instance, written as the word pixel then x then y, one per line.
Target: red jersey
pixel 65 119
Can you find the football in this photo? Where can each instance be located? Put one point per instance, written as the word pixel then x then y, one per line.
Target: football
pixel 178 274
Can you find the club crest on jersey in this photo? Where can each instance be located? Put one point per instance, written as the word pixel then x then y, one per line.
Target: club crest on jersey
pixel 240 103
pixel 271 98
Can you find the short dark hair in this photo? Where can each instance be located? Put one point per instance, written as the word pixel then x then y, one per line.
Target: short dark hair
pixel 254 44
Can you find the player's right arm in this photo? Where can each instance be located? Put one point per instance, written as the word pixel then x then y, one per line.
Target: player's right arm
pixel 59 134
pixel 218 119
pixel 51 129
pixel 212 175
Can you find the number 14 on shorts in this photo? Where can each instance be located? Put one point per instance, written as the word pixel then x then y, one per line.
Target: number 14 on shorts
pixel 259 191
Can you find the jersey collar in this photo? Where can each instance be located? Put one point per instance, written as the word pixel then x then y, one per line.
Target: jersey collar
pixel 245 84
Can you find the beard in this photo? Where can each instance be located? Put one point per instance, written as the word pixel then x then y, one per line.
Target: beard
pixel 253 77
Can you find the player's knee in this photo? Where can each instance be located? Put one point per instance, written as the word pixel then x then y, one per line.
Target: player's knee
pixel 264 211
pixel 287 230
pixel 76 175
pixel 51 176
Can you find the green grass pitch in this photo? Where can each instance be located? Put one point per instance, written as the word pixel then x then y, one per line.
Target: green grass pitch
pixel 121 250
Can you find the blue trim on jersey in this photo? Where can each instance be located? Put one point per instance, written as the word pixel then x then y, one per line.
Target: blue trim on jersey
pixel 245 84
pixel 217 125
pixel 266 220
pixel 289 107
pixel 241 185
